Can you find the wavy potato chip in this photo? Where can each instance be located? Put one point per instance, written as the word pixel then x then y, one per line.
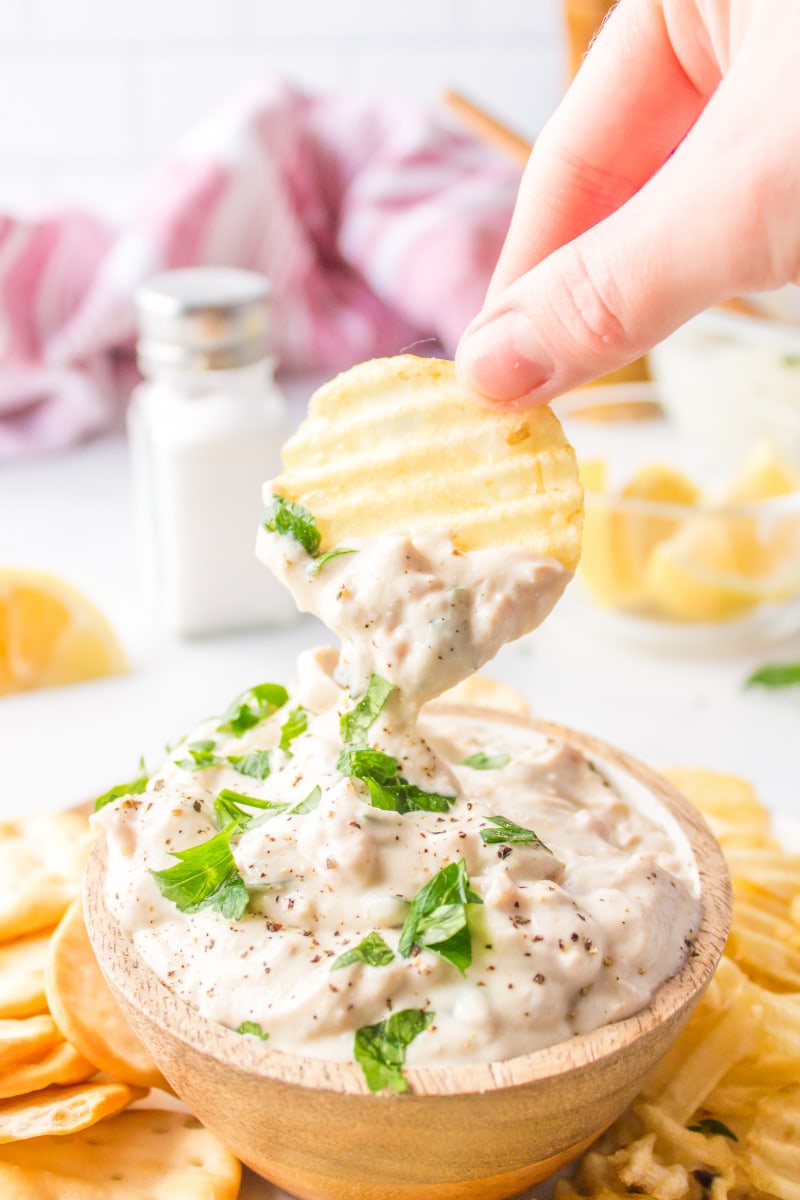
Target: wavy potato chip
pixel 85 1010
pixel 395 445
pixel 143 1153
pixel 62 1110
pixel 484 692
pixel 22 964
pixel 42 860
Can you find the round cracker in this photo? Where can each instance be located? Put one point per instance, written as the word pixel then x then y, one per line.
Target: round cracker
pixel 144 1152
pixel 85 1010
pixel 42 859
pixel 62 1110
pixel 395 445
pixel 26 1040
pixel 22 964
pixel 61 1064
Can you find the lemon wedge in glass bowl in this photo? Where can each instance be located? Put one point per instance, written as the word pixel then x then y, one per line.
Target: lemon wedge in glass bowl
pixel 51 634
pixel 716 568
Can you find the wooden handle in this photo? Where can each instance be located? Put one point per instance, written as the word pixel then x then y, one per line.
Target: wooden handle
pixel 488 128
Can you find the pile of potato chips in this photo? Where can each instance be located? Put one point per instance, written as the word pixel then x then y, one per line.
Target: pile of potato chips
pixel 720 1117
pixel 69 1064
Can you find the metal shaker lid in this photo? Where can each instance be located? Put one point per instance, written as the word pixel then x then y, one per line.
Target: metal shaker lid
pixel 202 319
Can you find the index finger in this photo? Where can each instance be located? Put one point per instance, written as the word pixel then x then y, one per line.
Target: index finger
pixel 629 106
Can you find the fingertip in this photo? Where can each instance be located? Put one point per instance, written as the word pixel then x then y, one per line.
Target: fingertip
pixel 501 361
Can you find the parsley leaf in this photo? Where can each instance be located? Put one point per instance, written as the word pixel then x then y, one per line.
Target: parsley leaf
pixel 295 724
pixel 229 811
pixel 254 1029
pixel 775 675
pixel 310 803
pixel 232 898
pixel 319 562
pixel 252 706
pixel 438 917
pixel 256 764
pixel 387 788
pixel 507 833
pixel 201 755
pixel 134 787
pixel 371 950
pixel 206 876
pixel 291 519
pixel 355 724
pixel 711 1126
pixel 485 762
pixel 381 1048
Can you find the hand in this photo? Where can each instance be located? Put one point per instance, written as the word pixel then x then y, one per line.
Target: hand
pixel 668 179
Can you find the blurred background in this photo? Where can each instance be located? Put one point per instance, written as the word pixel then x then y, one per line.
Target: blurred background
pixel 311 144
pixel 93 96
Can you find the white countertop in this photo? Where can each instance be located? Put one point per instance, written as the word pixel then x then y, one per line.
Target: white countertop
pixel 71 515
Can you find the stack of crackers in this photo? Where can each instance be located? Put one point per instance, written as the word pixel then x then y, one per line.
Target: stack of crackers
pixel 69 1064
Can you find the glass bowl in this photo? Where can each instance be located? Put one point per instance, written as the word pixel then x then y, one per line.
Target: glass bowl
pixel 732 373
pixel 683 546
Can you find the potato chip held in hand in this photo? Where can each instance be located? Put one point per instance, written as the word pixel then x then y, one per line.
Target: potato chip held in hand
pixel 395 445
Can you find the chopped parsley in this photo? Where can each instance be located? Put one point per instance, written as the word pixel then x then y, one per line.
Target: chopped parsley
pixel 355 724
pixel 295 724
pixel 256 764
pixel 201 755
pixel 291 519
pixel 372 950
pixel 387 788
pixel 508 833
pixel 251 707
pixel 486 762
pixel 381 1049
pixel 229 811
pixel 775 675
pixel 438 919
pixel 134 787
pixel 711 1126
pixel 309 804
pixel 254 1029
pixel 206 876
pixel 319 562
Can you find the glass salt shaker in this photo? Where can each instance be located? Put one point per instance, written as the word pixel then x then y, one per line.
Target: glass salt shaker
pixel 206 428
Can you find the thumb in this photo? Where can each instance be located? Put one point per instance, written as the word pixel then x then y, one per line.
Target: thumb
pixel 690 237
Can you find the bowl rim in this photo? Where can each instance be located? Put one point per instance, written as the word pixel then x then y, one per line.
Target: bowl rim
pixel 154 1000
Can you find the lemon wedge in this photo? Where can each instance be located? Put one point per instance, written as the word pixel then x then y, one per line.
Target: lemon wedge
pixel 715 569
pixel 618 540
pixel 593 475
pixel 50 634
pixel 763 476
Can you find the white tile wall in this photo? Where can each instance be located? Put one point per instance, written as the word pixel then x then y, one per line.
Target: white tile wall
pixel 94 93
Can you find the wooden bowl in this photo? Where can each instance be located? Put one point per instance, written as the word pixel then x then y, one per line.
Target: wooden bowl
pixel 488 1130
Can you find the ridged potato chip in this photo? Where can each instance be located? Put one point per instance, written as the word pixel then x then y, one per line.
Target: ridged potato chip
pixel 484 692
pixel 394 445
pixel 84 1009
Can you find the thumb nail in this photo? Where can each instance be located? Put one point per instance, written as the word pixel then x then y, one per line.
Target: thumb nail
pixel 502 359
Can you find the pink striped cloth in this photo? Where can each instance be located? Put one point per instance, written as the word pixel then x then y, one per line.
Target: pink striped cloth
pixel 377 223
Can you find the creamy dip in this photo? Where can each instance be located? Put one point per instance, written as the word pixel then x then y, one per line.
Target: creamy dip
pixel 576 904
